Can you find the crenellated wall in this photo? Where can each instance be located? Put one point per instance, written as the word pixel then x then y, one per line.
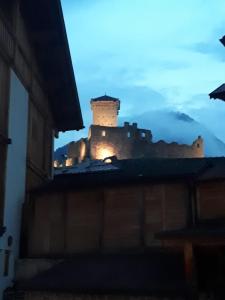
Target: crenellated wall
pixel 127 142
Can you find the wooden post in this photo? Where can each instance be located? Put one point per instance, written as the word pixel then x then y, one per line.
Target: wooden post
pixel 190 269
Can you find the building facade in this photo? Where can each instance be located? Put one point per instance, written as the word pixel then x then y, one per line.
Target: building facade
pixel 145 228
pixel 106 138
pixel 30 56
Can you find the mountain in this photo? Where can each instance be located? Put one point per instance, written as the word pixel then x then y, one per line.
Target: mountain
pixel 171 126
pixel 60 152
pixel 178 127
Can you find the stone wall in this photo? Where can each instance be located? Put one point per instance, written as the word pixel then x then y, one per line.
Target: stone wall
pixel 124 142
pixel 105 112
pixel 131 142
pixel 77 151
pixel 128 142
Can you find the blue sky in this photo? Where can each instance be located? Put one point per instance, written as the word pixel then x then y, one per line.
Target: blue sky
pixel 153 55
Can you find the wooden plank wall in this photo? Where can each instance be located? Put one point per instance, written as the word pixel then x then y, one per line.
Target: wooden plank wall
pixel 116 218
pixel 211 200
pixel 83 219
pixel 17 52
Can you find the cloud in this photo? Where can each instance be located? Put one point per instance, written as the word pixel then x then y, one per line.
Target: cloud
pixel 150 54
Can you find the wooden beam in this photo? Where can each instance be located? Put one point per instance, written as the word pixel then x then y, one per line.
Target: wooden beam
pixel 190 269
pixel 189 261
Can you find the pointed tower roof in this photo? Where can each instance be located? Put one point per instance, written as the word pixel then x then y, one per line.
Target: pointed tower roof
pixel 105 98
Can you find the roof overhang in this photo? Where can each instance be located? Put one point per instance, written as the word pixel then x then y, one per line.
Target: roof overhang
pixel 47 34
pixel 218 93
pixel 222 40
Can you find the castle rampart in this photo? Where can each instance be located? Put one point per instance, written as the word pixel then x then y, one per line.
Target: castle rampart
pixel 106 139
pixel 127 142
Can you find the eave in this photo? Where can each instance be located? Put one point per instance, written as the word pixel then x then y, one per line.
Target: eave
pixel 218 93
pixel 47 34
pixel 222 40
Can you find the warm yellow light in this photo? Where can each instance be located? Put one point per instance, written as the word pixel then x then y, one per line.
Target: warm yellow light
pixel 56 164
pixel 69 162
pixel 104 150
pixel 82 151
pixel 108 160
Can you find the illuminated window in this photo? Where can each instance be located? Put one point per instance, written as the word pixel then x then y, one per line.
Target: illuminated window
pixel 103 133
pixel 128 134
pixel 143 134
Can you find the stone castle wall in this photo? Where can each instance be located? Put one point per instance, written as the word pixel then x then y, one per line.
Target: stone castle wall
pixel 123 142
pixel 105 112
pixel 77 151
pixel 129 142
pixel 105 139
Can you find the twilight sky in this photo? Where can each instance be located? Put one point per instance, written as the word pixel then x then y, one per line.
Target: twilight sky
pixel 153 55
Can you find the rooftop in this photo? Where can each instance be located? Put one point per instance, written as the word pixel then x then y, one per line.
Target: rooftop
pixel 218 93
pixel 46 29
pixel 140 171
pixel 105 98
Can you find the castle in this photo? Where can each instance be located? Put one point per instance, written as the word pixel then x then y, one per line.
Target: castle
pixel 107 139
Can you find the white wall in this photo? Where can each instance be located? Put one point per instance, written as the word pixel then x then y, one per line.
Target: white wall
pixel 15 174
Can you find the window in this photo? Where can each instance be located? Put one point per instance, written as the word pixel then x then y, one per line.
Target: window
pixel 143 134
pixel 128 134
pixel 103 133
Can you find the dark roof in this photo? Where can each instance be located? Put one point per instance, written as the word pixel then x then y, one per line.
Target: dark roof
pixel 47 33
pixel 151 273
pixel 219 93
pixel 208 229
pixel 105 98
pixel 222 40
pixel 143 170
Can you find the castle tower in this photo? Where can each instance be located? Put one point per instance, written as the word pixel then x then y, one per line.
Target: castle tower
pixel 105 110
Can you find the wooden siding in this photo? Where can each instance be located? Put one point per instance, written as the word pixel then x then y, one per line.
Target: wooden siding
pixel 83 217
pixel 165 208
pixel 175 206
pixel 153 213
pixel 16 53
pixel 122 217
pixel 211 200
pixel 109 219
